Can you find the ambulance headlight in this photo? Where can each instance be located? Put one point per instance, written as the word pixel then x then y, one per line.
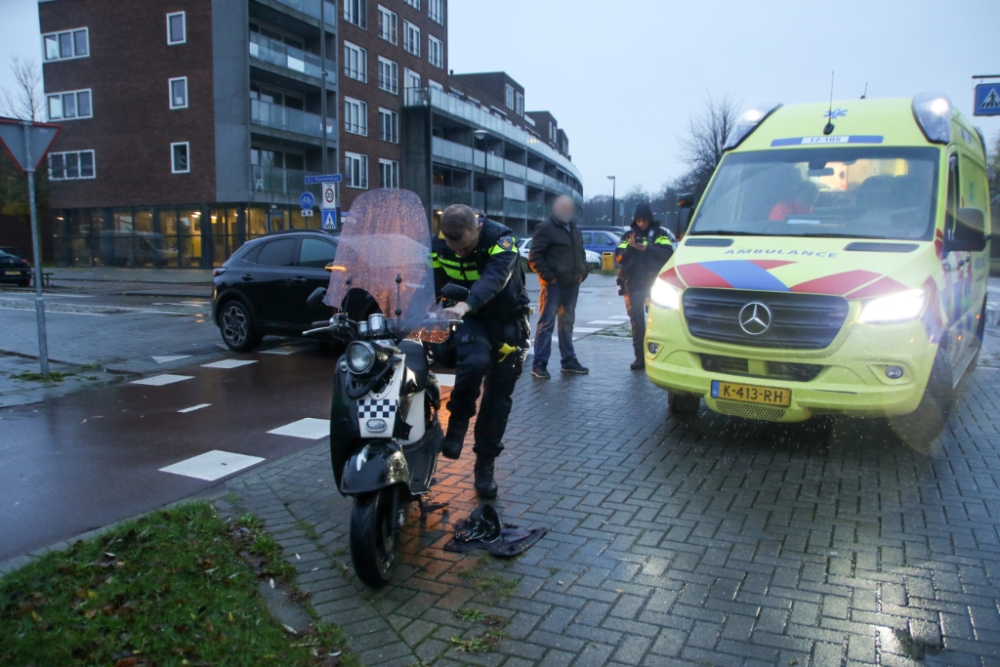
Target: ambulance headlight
pixel 933 114
pixel 900 307
pixel 360 357
pixel 665 295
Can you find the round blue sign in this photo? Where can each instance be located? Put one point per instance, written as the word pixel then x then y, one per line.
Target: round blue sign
pixel 307 200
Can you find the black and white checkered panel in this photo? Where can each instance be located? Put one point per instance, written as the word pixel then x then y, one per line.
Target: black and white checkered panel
pixel 376 408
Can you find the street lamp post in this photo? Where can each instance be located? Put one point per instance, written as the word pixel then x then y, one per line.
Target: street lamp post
pixel 482 134
pixel 614 183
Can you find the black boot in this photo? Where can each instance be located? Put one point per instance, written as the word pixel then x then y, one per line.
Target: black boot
pixel 486 486
pixel 638 364
pixel 451 448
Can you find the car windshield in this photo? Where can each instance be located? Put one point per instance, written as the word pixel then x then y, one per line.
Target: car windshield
pixel 862 192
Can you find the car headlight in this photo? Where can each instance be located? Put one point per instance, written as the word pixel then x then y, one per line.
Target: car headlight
pixel 665 295
pixel 360 357
pixel 900 307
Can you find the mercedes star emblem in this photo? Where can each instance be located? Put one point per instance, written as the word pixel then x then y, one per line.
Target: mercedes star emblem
pixel 755 318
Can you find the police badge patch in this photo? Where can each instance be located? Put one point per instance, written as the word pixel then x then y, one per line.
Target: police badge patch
pixel 506 242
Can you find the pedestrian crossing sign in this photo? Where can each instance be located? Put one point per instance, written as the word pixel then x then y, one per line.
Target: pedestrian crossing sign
pixel 329 220
pixel 987 99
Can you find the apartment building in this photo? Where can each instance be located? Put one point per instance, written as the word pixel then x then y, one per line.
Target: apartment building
pixel 190 126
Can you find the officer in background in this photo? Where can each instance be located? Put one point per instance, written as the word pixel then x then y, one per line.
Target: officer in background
pixel 641 253
pixel 492 340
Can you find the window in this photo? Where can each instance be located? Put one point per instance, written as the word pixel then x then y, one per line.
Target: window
pixel 413 3
pixel 388 174
pixel 435 51
pixel 277 253
pixel 552 131
pixel 315 253
pixel 355 116
pixel 411 79
pixel 355 62
pixel 388 75
pixel 180 162
pixel 431 83
pixel 71 165
pixel 356 12
pixel 179 93
pixel 67 45
pixel 411 38
pixel 176 28
pixel 388 125
pixel 520 104
pixel 435 9
pixel 70 105
pixel 387 25
pixel 509 97
pixel 356 170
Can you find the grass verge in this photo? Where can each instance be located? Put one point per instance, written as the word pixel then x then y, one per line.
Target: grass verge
pixel 176 587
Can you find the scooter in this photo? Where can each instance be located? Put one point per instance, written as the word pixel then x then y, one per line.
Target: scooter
pixel 385 436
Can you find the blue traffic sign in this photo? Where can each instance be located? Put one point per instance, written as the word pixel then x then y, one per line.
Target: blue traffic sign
pixel 329 220
pixel 327 178
pixel 307 200
pixel 987 99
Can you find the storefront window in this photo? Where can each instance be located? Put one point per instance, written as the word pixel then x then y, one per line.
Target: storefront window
pixel 189 237
pixel 257 224
pixel 166 242
pixel 144 241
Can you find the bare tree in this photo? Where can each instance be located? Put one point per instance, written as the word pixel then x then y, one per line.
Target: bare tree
pixel 707 134
pixel 26 101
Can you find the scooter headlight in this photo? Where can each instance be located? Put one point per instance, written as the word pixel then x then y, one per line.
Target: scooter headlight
pixel 665 295
pixel 900 307
pixel 360 357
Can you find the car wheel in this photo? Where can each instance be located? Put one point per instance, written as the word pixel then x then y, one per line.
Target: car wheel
pixel 239 332
pixel 921 428
pixel 684 406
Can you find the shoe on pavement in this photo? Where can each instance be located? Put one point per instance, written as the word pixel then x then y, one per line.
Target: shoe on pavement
pixel 638 365
pixel 451 448
pixel 540 373
pixel 486 486
pixel 575 367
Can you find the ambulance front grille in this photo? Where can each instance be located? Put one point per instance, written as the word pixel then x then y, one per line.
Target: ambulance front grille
pixel 798 321
pixel 749 411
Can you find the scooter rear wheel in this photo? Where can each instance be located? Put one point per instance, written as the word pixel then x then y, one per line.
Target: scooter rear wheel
pixel 374 542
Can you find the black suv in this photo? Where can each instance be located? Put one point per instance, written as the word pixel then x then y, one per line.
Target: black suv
pixel 262 289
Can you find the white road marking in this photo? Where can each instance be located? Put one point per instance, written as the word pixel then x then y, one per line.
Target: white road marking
pixel 605 322
pixel 212 465
pixel 195 407
pixel 446 379
pixel 619 318
pixel 169 358
pixel 161 380
pixel 54 312
pixel 585 330
pixel 308 428
pixel 285 350
pixel 229 363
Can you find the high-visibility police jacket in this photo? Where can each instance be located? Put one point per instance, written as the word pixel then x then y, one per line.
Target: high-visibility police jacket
pixel 492 273
pixel 638 268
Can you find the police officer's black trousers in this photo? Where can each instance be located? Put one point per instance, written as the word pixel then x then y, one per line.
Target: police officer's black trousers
pixel 635 302
pixel 478 360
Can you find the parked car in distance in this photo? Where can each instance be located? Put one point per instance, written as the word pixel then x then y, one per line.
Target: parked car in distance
pixel 524 248
pixel 602 240
pixel 262 289
pixel 14 269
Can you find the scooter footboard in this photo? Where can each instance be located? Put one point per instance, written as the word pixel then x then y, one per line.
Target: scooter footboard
pixel 375 467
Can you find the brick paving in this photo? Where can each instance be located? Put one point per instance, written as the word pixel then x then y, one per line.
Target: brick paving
pixel 719 542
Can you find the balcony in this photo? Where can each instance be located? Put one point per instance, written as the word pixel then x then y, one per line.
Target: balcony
pixel 287 57
pixel 443 196
pixel 536 210
pixel 311 8
pixel 277 181
pixel 289 120
pixel 442 101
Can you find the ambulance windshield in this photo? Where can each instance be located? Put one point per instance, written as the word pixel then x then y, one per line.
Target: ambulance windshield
pixel 858 192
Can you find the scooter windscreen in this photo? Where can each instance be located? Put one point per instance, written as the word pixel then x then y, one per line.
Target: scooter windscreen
pixel 386 237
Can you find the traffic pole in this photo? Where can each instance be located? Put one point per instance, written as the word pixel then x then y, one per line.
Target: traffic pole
pixel 36 248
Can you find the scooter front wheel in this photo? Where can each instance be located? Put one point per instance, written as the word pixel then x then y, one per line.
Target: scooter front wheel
pixel 374 540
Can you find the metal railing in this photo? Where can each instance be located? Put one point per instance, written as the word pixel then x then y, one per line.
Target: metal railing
pixel 461 109
pixel 290 120
pixel 276 53
pixel 536 210
pixel 515 169
pixel 279 181
pixel 311 8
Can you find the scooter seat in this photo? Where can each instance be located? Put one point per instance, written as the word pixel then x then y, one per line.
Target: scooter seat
pixel 416 361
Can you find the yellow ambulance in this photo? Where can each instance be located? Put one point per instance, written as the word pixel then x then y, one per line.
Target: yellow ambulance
pixel 836 264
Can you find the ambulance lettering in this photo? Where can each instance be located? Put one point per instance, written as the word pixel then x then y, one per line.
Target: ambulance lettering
pixel 778 251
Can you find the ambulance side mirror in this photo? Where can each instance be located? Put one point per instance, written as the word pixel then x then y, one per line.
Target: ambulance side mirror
pixel 686 203
pixel 968 234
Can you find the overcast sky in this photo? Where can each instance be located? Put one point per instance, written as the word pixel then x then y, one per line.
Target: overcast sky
pixel 623 76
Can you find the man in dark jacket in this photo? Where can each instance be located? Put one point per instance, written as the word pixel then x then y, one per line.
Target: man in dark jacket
pixel 492 340
pixel 560 260
pixel 641 253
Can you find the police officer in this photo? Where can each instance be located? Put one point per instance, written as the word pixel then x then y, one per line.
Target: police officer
pixel 492 340
pixel 641 253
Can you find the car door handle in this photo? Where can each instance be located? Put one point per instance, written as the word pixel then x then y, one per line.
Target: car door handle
pixel 298 279
pixel 247 276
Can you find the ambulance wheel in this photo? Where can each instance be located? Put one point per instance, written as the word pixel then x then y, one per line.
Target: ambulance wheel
pixel 921 428
pixel 684 406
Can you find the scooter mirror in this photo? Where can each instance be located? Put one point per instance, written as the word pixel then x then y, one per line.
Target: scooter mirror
pixel 454 292
pixel 315 299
